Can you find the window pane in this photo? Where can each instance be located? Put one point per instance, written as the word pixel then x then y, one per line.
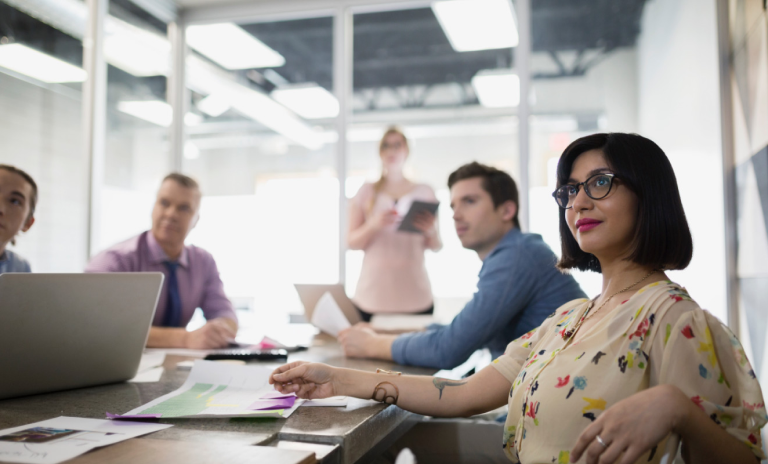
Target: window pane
pixel 41 131
pixel 627 68
pixel 408 74
pixel 137 154
pixel 264 153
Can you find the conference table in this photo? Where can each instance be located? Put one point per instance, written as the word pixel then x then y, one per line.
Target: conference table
pixel 345 435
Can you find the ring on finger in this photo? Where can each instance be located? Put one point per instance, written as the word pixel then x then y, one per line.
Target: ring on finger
pixel 601 441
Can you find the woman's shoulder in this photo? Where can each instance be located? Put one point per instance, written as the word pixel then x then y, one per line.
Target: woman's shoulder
pixel 423 191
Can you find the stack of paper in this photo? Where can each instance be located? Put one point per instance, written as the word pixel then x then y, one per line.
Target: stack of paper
pixel 328 316
pixel 218 390
pixel 56 440
pixel 150 367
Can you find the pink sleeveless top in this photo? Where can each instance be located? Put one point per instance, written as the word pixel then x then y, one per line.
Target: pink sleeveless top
pixel 393 278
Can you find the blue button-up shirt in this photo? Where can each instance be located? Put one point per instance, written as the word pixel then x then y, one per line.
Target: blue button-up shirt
pixel 518 288
pixel 11 262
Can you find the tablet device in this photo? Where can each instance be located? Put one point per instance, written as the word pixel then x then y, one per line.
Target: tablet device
pixel 417 207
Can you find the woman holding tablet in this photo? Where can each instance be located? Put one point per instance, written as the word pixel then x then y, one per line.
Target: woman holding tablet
pixel 611 379
pixel 393 278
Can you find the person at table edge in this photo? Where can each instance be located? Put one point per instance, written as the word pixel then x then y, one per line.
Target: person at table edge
pixel 518 283
pixel 191 276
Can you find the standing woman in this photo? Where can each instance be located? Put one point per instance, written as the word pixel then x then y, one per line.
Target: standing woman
pixel 393 278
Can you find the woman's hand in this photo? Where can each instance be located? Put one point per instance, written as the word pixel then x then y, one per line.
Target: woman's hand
pixel 425 222
pixel 632 426
pixel 308 380
pixel 382 219
pixel 356 340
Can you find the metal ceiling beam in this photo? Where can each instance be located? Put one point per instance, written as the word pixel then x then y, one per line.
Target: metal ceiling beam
pixel 164 10
pixel 274 10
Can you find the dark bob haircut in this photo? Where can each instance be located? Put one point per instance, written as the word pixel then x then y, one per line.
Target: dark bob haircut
pixel 662 239
pixel 499 185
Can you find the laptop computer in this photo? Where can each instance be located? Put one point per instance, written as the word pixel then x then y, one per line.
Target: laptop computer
pixel 63 331
pixel 310 294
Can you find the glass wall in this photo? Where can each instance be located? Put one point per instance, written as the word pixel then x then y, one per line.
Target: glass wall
pixel 644 67
pixel 137 154
pixel 41 79
pixel 409 74
pixel 264 151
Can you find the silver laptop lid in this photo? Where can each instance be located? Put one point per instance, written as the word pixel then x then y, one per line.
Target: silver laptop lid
pixel 62 331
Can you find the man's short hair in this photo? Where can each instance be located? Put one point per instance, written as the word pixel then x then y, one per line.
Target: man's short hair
pixel 499 185
pixel 29 180
pixel 181 179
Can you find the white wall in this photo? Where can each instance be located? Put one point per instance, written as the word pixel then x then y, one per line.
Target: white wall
pixel 40 132
pixel 679 109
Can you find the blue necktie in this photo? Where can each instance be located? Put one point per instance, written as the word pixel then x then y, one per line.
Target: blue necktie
pixel 172 316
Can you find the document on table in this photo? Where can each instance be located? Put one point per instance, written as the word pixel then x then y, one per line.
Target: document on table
pixel 333 401
pixel 219 390
pixel 150 367
pixel 328 317
pixel 56 440
pixel 404 322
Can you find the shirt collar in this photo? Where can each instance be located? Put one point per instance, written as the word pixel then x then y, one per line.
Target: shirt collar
pixel 158 256
pixel 509 237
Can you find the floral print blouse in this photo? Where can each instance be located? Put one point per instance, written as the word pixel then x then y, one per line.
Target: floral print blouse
pixel 658 336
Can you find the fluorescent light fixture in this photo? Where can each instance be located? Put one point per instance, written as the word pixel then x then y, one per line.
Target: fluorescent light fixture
pixel 30 62
pixel 232 47
pixel 135 50
pixel 309 101
pixel 155 111
pixel 213 105
pixel 191 151
pixel 497 88
pixel 207 79
pixel 477 24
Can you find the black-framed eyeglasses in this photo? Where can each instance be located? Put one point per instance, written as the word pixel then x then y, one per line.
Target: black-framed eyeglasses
pixel 596 187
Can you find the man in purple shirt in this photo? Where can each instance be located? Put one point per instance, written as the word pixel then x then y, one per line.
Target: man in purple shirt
pixel 191 276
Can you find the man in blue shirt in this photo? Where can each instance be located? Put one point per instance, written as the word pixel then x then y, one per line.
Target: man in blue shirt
pixel 18 197
pixel 518 285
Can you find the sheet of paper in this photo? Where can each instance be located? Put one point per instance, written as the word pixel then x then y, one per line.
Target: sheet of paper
pixel 334 401
pixel 56 440
pixel 150 360
pixel 413 322
pixel 149 376
pixel 328 317
pixel 216 390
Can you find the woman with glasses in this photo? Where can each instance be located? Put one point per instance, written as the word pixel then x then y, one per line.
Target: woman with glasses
pixel 610 379
pixel 393 278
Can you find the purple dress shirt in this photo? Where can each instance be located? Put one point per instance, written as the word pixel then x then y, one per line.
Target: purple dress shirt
pixel 199 283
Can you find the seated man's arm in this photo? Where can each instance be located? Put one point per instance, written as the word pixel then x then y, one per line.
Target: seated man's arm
pixel 503 291
pixel 221 327
pixel 215 303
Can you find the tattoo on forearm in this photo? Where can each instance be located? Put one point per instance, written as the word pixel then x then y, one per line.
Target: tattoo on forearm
pixel 442 383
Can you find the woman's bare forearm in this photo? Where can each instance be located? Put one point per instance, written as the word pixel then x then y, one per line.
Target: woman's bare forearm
pixel 360 237
pixel 430 396
pixel 705 442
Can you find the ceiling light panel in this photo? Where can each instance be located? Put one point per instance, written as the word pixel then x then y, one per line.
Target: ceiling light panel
pixel 477 24
pixel 309 101
pixel 154 111
pixel 32 63
pixel 233 48
pixel 497 88
pixel 213 105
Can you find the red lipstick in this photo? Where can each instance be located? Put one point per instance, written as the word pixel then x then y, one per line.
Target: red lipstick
pixel 586 224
